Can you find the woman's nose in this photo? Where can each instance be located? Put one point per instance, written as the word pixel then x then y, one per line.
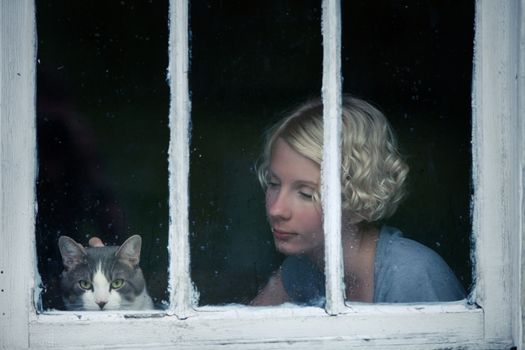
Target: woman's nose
pixel 278 205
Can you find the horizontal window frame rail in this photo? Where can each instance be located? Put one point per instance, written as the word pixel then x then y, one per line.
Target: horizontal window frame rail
pixel 410 326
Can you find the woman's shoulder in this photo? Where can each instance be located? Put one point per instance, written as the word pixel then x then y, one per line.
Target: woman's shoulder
pixel 408 271
pixel 393 247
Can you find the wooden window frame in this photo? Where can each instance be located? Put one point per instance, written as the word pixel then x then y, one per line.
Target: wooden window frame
pixel 491 318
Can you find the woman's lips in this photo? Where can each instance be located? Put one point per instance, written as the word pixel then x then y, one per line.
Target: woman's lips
pixel 282 235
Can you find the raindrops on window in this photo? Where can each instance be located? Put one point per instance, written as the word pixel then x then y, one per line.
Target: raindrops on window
pixel 250 62
pixel 413 59
pixel 102 119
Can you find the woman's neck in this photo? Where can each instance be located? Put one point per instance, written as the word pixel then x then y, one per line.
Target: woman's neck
pixel 351 240
pixel 357 239
pixel 359 247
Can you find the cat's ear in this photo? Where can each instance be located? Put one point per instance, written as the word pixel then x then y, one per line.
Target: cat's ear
pixel 129 251
pixel 72 252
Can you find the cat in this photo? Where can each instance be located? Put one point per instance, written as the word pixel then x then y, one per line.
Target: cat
pixel 103 277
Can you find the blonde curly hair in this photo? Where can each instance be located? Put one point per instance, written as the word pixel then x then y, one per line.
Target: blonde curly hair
pixel 373 173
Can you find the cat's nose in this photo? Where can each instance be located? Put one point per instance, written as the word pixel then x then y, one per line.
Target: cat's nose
pixel 101 304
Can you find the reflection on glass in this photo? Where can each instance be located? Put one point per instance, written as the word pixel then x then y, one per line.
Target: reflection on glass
pixel 250 62
pixel 102 107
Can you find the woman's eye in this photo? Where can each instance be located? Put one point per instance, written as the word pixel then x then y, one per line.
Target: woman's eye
pixel 118 283
pixel 85 284
pixel 273 184
pixel 306 195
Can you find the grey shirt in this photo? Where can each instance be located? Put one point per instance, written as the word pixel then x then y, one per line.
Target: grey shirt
pixel 405 272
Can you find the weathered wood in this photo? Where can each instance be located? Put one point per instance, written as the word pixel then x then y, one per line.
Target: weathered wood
pixel 398 327
pixel 17 172
pixel 496 210
pixel 331 165
pixel 179 247
pixel 519 324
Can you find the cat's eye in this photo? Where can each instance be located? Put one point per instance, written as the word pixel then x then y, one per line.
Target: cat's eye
pixel 85 284
pixel 118 283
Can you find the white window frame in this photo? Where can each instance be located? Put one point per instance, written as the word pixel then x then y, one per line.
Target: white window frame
pixel 491 320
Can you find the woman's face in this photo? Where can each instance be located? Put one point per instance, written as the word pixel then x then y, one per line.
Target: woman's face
pixel 294 216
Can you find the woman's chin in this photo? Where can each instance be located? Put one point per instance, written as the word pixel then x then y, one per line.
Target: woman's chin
pixel 288 248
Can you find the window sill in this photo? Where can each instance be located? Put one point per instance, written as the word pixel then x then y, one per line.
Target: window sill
pixel 399 326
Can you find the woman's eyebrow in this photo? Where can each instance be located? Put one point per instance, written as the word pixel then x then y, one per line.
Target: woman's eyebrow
pixel 307 183
pixel 299 182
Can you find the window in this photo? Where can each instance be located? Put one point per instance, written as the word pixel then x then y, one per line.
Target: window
pixel 494 321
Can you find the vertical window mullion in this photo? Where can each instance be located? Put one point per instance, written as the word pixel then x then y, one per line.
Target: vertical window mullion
pixel 179 118
pixel 18 172
pixel 331 184
pixel 495 115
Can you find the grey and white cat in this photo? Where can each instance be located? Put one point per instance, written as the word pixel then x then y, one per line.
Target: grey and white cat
pixel 103 277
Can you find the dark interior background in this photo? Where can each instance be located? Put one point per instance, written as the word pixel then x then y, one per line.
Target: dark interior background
pixel 414 60
pixel 102 119
pixel 102 113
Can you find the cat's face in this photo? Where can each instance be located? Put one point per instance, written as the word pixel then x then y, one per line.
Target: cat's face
pixel 103 278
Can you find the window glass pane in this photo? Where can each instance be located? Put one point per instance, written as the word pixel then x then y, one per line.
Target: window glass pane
pixel 413 59
pixel 251 62
pixel 102 117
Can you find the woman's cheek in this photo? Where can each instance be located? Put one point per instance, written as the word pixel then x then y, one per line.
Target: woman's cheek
pixel 311 218
pixel 270 198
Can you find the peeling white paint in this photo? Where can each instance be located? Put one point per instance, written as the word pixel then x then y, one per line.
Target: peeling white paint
pixel 18 171
pixel 496 213
pixel 181 294
pixel 519 298
pixel 331 165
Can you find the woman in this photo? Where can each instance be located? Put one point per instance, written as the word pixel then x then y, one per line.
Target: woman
pixel 380 265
